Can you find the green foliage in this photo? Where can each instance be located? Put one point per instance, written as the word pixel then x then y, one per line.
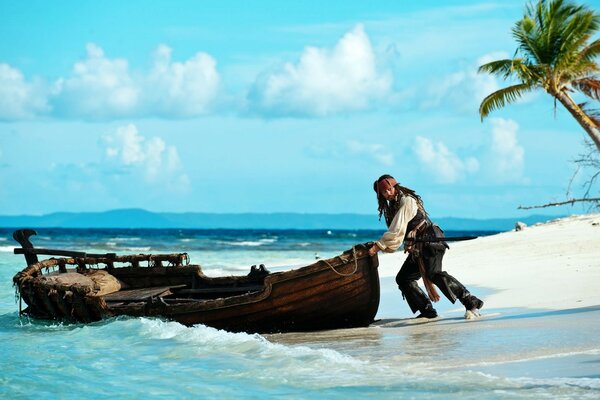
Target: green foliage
pixel 553 54
pixel 502 97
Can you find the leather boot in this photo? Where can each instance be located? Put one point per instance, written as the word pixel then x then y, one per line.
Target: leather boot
pixel 417 300
pixel 453 290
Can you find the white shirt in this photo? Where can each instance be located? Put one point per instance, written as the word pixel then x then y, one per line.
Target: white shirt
pixel 393 238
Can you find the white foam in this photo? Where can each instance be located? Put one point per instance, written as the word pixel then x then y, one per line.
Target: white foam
pixel 137 249
pixel 6 249
pixel 531 358
pixel 125 239
pixel 276 358
pixel 249 243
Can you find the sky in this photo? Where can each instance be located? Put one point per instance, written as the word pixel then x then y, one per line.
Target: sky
pixel 270 106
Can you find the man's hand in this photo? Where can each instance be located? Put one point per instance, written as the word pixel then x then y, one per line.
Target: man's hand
pixel 373 250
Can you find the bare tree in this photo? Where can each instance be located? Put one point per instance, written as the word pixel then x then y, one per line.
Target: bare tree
pixel 588 164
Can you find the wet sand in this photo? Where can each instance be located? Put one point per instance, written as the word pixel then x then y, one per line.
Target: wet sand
pixel 541 318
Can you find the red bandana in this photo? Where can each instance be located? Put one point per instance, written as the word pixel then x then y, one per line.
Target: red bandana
pixel 385 184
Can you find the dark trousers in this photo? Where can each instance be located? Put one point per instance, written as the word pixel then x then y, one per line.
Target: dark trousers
pixel 432 258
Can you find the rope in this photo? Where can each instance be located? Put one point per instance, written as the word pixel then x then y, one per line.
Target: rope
pixel 355 264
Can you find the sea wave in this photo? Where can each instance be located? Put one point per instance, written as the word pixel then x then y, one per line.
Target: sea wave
pixel 582 383
pixel 125 239
pixel 6 249
pixel 141 249
pixel 274 359
pixel 248 243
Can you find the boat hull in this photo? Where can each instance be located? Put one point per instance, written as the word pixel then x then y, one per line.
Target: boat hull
pixel 341 292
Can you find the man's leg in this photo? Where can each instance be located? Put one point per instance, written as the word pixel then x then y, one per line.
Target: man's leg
pixel 454 290
pixel 415 297
pixel 448 284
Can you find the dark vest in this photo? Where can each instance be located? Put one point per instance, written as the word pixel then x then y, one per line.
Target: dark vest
pixel 412 224
pixel 420 216
pixel 431 230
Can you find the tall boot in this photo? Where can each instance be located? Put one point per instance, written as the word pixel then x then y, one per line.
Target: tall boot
pixel 417 300
pixel 453 290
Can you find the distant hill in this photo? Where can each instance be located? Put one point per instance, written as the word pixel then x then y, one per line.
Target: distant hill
pixel 138 218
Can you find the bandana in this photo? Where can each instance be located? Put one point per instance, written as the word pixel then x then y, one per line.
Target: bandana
pixel 385 184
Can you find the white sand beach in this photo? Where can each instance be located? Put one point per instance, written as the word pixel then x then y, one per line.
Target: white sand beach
pixel 541 288
pixel 552 266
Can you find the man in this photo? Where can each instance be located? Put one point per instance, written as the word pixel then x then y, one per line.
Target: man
pixel 409 223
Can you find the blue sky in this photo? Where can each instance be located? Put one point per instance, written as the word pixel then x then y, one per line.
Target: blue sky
pixel 298 106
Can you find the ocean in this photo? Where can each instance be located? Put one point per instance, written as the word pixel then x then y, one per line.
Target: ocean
pixel 131 358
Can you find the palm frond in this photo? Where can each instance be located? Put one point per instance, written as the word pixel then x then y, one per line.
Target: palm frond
pixel 503 68
pixel 588 86
pixel 516 67
pixel 524 34
pixel 572 38
pixel 590 51
pixel 504 96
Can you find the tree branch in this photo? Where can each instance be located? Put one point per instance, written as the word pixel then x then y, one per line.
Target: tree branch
pixel 572 201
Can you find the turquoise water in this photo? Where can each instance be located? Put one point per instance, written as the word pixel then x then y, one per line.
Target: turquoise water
pixel 133 357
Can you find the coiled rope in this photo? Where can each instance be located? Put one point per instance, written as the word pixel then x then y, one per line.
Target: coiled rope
pixel 355 264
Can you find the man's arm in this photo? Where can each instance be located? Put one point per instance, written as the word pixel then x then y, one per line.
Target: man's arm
pixel 392 239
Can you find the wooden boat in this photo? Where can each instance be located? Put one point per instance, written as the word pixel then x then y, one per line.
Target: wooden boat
pixel 340 292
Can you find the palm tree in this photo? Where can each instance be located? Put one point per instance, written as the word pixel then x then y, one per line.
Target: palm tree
pixel 554 55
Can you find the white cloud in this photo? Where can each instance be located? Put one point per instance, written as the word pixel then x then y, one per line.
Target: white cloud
pixel 441 163
pixel 462 90
pixel 377 152
pixel 157 162
pixel 181 88
pixel 506 155
pixel 98 87
pixel 500 161
pixel 323 81
pixel 20 99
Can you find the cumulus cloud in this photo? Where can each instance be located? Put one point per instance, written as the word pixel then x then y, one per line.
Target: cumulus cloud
pixel 157 162
pixel 501 160
pixel 100 87
pixel 462 90
pixel 443 165
pixel 181 89
pixel 376 152
pixel 506 155
pixel 323 81
pixel 20 99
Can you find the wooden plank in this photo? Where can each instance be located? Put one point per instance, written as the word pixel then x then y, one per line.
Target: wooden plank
pixel 139 294
pixel 226 289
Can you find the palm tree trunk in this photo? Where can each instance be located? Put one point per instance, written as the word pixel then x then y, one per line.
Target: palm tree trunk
pixel 580 116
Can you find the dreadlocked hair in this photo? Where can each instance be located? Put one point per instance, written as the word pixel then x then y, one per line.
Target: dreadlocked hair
pixel 389 209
